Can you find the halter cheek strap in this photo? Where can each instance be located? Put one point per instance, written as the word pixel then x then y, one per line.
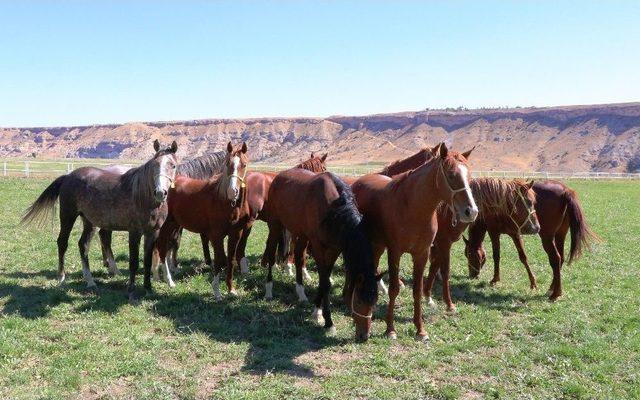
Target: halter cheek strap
pixel 531 210
pixel 354 312
pixel 172 180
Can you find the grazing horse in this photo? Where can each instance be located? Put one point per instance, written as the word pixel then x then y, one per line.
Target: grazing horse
pixel 559 212
pixel 319 209
pixel 216 207
pixel 134 201
pixel 401 216
pixel 259 184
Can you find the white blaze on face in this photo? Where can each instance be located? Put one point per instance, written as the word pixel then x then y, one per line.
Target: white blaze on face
pixel 464 173
pixel 163 183
pixel 234 183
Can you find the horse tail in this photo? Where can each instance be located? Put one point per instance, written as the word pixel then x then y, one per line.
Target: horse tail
pixel 37 211
pixel 284 246
pixel 581 234
pixel 346 227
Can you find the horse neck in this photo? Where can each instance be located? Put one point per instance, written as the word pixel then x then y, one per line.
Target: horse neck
pixel 419 188
pixel 407 164
pixel 477 231
pixel 140 183
pixel 203 167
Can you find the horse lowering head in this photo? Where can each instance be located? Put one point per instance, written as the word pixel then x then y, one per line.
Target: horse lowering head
pixel 314 164
pixel 163 164
pixel 523 214
pixel 453 178
pixel 236 170
pixel 362 296
pixel 476 258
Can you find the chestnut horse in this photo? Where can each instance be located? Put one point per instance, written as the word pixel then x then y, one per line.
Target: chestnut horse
pixel 134 201
pixel 217 207
pixel 401 215
pixel 259 184
pixel 559 212
pixel 320 209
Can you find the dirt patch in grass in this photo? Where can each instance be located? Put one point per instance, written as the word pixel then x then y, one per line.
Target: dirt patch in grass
pixel 210 375
pixel 119 389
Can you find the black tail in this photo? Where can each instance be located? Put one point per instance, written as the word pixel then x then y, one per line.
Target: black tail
pixel 283 247
pixel 344 223
pixel 581 234
pixel 37 211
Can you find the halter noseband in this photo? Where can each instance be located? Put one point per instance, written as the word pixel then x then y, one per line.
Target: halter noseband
pixel 353 310
pixel 531 210
pixel 243 184
pixel 453 192
pixel 172 180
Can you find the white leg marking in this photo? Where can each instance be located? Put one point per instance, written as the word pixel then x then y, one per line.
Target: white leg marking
pixel 401 284
pixel 300 292
pixel 431 303
pixel 62 278
pixel 305 274
pixel 215 285
pixel 244 266
pixel 316 316
pixel 113 268
pixel 88 277
pixel 289 269
pixel 154 269
pixel 382 288
pixel 167 275
pixel 268 289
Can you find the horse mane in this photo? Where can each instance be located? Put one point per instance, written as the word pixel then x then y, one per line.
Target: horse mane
pixel 313 164
pixel 140 182
pixel 203 167
pixel 496 196
pixel 409 163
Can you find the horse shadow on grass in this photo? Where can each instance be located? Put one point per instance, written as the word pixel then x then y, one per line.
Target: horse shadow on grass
pixel 277 331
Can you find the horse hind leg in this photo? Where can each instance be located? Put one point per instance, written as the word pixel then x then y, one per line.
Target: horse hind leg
pixel 66 225
pixel 166 268
pixel 517 241
pixel 107 253
pixel 83 245
pixel 299 258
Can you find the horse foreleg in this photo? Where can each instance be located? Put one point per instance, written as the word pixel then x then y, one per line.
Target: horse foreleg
pixel 495 247
pixel 240 252
pixel 107 253
pixel 394 288
pixel 419 263
pixel 66 225
pixel 555 290
pixel 205 248
pixel 149 244
pixel 134 260
pixel 232 247
pixel 220 261
pixel 517 241
pixel 269 257
pixel 83 244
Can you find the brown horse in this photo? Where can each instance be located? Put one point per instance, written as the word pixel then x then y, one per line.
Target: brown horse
pixel 134 201
pixel 259 183
pixel 320 209
pixel 559 212
pixel 217 207
pixel 401 215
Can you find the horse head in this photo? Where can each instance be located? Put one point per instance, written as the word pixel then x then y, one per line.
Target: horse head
pixel 523 212
pixel 164 165
pixel 236 163
pixel 476 257
pixel 314 164
pixel 453 181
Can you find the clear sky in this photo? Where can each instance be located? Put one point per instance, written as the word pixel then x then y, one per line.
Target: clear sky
pixel 86 62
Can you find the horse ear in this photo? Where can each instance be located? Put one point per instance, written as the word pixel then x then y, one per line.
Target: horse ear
pixel 531 183
pixel 466 241
pixel 324 157
pixel 156 145
pixel 174 146
pixel 444 152
pixel 467 153
pixel 312 155
pixel 244 147
pixel 435 149
pixel 380 275
pixel 229 147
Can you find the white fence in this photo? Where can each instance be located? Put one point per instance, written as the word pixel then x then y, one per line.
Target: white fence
pixel 56 168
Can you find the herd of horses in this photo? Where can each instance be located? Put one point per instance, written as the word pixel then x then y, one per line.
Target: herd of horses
pixel 420 205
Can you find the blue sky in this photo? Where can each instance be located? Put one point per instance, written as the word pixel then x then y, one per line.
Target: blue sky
pixel 77 62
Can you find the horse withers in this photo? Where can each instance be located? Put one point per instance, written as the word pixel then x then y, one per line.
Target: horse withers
pixel 134 201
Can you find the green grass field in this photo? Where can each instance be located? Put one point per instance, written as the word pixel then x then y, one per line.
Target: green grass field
pixel 503 342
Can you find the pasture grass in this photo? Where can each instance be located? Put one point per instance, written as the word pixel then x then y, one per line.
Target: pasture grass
pixel 505 342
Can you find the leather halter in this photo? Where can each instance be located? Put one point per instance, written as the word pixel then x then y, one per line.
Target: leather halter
pixel 531 210
pixel 172 180
pixel 354 312
pixel 243 185
pixel 452 192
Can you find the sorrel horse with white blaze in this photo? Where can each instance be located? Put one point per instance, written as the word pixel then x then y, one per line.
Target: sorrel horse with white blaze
pixel 134 201
pixel 216 207
pixel 258 196
pixel 320 209
pixel 559 211
pixel 401 216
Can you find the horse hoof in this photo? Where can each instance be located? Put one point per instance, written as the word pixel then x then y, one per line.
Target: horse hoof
pixel 307 277
pixel 114 272
pixel 452 309
pixel 331 331
pixel 549 293
pixel 61 280
pixel 422 337
pixel 172 284
pixel 493 283
pixel 316 316
pixel 431 303
pixel 133 300
pixel 392 335
pixel 244 266
pixel 400 284
pixel 233 293
pixel 217 297
pixel 553 298
pixel 534 287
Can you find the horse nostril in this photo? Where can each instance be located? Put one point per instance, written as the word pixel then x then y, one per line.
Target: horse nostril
pixel 467 212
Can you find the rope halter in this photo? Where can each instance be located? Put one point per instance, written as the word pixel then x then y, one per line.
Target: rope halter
pixel 243 184
pixel 531 211
pixel 452 192
pixel 353 310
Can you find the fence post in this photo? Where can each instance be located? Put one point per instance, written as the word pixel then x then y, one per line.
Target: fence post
pixel 5 168
pixel 26 168
pixel 68 168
